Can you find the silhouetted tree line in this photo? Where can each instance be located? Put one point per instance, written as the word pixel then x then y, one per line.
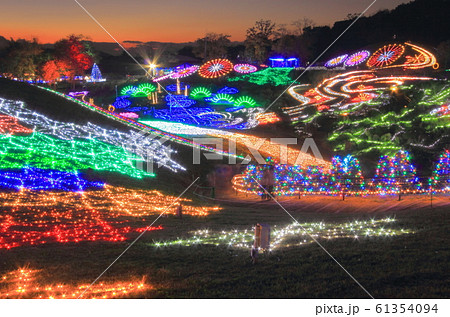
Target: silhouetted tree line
pixel 420 21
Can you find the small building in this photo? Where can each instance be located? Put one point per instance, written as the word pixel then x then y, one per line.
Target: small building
pixel 284 62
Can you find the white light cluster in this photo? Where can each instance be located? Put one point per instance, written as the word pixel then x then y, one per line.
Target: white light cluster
pixel 293 235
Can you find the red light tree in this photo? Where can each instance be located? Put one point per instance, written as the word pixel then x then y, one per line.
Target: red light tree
pixel 76 53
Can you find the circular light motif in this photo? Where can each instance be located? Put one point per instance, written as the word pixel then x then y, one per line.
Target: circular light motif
pixel 185 72
pixel 386 55
pixel 245 68
pixel 336 61
pixel 215 68
pixel 357 58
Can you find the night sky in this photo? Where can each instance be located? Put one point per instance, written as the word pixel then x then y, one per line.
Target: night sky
pixel 168 20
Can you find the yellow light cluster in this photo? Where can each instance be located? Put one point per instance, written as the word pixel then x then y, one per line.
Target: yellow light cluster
pixel 23 283
pixel 273 150
pixel 116 201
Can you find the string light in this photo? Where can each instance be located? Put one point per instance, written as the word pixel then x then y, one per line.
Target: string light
pixel 357 58
pixel 10 125
pixel 344 92
pixel 37 179
pixel 47 152
pixel 185 72
pixel 272 76
pixel 68 131
pixel 245 68
pixel 222 98
pixel 142 90
pixel 246 101
pixel 336 61
pixel 395 174
pixel 215 68
pixel 267 118
pixel 386 55
pixel 24 283
pixel 441 173
pixel 38 217
pixel 228 90
pixel 292 235
pixel 200 92
pixel 141 127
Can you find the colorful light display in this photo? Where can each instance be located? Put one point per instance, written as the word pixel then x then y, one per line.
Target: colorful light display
pixel 134 142
pixel 185 72
pixel 272 76
pixel 357 58
pixel 245 101
pixel 96 75
pixel 179 101
pixel 128 91
pixel 142 90
pixel 174 87
pixel 228 90
pixel 215 68
pixel 222 98
pixel 38 179
pixel 386 55
pixel 161 78
pixel 346 174
pixel 293 235
pixel 200 92
pixel 267 118
pixel 441 111
pixel 37 225
pixel 441 174
pixel 46 152
pixel 396 174
pixel 34 218
pixel 10 125
pixel 122 102
pixel 141 127
pixel 336 61
pixel 274 150
pixel 245 68
pixel 24 283
pixel 180 128
pixel 344 93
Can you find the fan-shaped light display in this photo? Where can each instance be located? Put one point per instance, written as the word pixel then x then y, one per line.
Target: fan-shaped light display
pixel 185 72
pixel 200 92
pixel 336 61
pixel 357 58
pixel 215 68
pixel 386 55
pixel 245 68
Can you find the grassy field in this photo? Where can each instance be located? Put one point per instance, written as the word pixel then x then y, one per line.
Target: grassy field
pixel 406 266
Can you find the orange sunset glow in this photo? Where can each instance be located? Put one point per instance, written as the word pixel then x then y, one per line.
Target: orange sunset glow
pixel 164 21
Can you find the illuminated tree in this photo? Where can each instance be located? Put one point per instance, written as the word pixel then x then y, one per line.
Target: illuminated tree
pixel 54 69
pixel 76 53
pixel 441 173
pixel 346 174
pixel 396 173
